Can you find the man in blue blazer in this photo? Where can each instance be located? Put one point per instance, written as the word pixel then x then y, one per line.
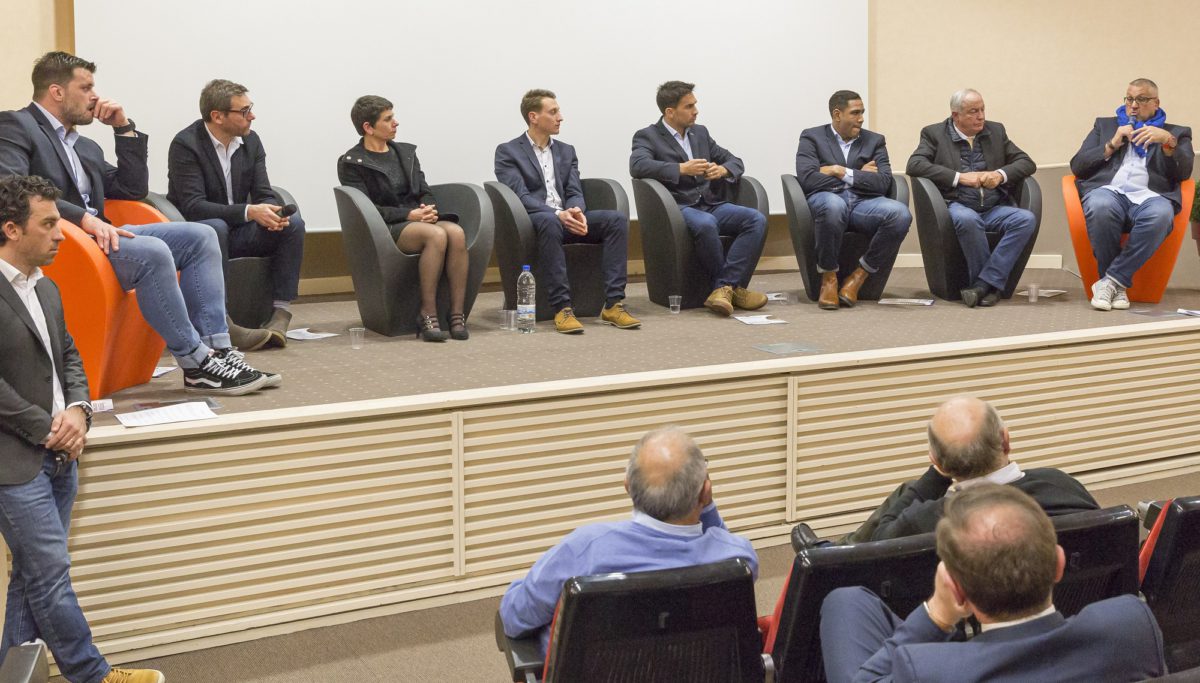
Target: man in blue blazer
pixel 544 173
pixel 701 176
pixel 845 173
pixel 1128 172
pixel 1000 561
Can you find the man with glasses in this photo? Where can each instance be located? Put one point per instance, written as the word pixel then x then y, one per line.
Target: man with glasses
pixel 217 175
pixel 1128 172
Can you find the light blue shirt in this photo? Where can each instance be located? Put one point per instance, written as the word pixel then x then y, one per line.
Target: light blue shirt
pixel 68 140
pixel 1132 179
pixel 845 145
pixel 685 140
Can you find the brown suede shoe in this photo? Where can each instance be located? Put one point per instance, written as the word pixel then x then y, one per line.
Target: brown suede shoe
pixel 617 316
pixel 720 301
pixel 848 294
pixel 245 338
pixel 278 325
pixel 748 300
pixel 566 322
pixel 828 300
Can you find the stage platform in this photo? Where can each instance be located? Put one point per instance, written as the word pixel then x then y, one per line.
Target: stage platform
pixel 408 474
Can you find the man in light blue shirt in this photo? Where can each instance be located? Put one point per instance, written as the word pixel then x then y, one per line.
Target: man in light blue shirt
pixel 675 523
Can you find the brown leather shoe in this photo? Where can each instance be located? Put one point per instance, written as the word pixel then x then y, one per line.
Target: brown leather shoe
pixel 829 292
pixel 748 300
pixel 720 301
pixel 848 294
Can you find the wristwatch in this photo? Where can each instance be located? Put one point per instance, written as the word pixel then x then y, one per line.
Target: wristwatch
pixel 128 127
pixel 87 410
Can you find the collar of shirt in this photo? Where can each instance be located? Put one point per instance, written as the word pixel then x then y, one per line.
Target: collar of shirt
pixel 220 147
pixel 16 278
pixel 646 520
pixel 535 145
pixel 685 140
pixel 1005 624
pixel 845 144
pixel 69 137
pixel 1005 475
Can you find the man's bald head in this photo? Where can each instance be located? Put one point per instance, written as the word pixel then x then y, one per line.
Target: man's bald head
pixel 967 438
pixel 666 474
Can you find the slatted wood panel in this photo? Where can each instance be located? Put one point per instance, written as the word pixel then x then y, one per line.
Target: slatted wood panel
pixel 535 471
pixel 1097 410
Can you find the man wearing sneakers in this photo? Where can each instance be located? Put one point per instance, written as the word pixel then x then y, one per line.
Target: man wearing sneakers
pixel 545 175
pixel 188 310
pixel 701 176
pixel 1128 173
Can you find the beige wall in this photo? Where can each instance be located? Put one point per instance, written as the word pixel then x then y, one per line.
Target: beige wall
pixel 31 28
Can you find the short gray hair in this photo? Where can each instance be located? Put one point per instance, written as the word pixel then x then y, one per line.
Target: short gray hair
pixel 956 100
pixel 676 496
pixel 980 456
pixel 217 96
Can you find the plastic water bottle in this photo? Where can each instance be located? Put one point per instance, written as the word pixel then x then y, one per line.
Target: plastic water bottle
pixel 526 301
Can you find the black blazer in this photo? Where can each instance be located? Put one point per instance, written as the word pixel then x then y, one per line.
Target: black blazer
pixel 656 155
pixel 196 183
pixel 25 383
pixel 937 158
pixel 517 166
pixel 356 170
pixel 818 147
pixel 29 146
pixel 1092 171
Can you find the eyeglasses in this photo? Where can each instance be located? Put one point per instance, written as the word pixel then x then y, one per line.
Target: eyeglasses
pixel 244 111
pixel 1139 100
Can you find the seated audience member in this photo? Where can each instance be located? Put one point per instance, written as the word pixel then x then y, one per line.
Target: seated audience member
pixel 702 177
pixel 545 175
pixel 1128 172
pixel 1000 561
pixel 188 309
pixel 675 524
pixel 979 171
pixel 845 173
pixel 217 175
pixel 389 173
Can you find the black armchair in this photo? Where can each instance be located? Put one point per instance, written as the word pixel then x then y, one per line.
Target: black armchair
pixel 945 265
pixel 1101 548
pixel 687 624
pixel 516 245
pixel 671 265
pixel 1172 576
pixel 25 664
pixel 854 245
pixel 385 278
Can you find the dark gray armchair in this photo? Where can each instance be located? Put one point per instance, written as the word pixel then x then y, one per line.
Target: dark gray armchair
pixel 671 265
pixel 854 245
pixel 945 265
pixel 385 278
pixel 516 245
pixel 25 664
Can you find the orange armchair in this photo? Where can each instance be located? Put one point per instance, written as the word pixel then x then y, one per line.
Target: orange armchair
pixel 1151 279
pixel 118 348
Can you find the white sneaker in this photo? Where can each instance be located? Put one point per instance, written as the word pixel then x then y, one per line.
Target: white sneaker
pixel 1120 301
pixel 1103 292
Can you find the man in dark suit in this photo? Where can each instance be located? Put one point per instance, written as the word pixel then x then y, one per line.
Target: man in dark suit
pixel 188 310
pixel 979 171
pixel 545 175
pixel 1000 561
pixel 845 173
pixel 1128 172
pixel 701 176
pixel 217 175
pixel 44 418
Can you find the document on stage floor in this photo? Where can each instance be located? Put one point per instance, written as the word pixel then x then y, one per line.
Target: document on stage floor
pixel 906 302
pixel 183 412
pixel 303 334
pixel 1188 311
pixel 163 369
pixel 759 319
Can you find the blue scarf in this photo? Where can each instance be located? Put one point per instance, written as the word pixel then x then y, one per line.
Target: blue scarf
pixel 1159 118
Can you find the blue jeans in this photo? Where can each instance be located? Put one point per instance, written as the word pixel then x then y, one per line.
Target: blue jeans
pixel 608 228
pixel 34 518
pixel 188 312
pixel 1016 228
pixel 883 220
pixel 707 224
pixel 1109 215
pixel 284 247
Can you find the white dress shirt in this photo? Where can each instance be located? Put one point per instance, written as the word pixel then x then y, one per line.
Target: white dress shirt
pixel 685 140
pixel 68 139
pixel 225 157
pixel 546 161
pixel 24 287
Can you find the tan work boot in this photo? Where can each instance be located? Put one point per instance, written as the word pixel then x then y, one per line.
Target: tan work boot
pixel 828 300
pixel 134 676
pixel 848 294
pixel 617 316
pixel 566 322
pixel 748 300
pixel 245 338
pixel 720 301
pixel 277 327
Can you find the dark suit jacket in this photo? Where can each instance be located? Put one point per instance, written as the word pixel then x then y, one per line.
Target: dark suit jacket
pixel 1111 640
pixel 937 158
pixel 918 507
pixel 656 155
pixel 819 147
pixel 1092 171
pixel 25 382
pixel 196 183
pixel 29 146
pixel 517 166
pixel 357 170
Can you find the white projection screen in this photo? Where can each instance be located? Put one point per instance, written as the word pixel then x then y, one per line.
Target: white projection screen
pixel 456 71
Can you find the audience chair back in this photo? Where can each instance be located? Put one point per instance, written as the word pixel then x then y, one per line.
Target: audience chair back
pixel 854 245
pixel 669 258
pixel 945 265
pixel 1101 548
pixel 1172 583
pixel 386 279
pixel 118 347
pixel 25 664
pixel 1150 281
pixel 516 246
pixel 900 571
